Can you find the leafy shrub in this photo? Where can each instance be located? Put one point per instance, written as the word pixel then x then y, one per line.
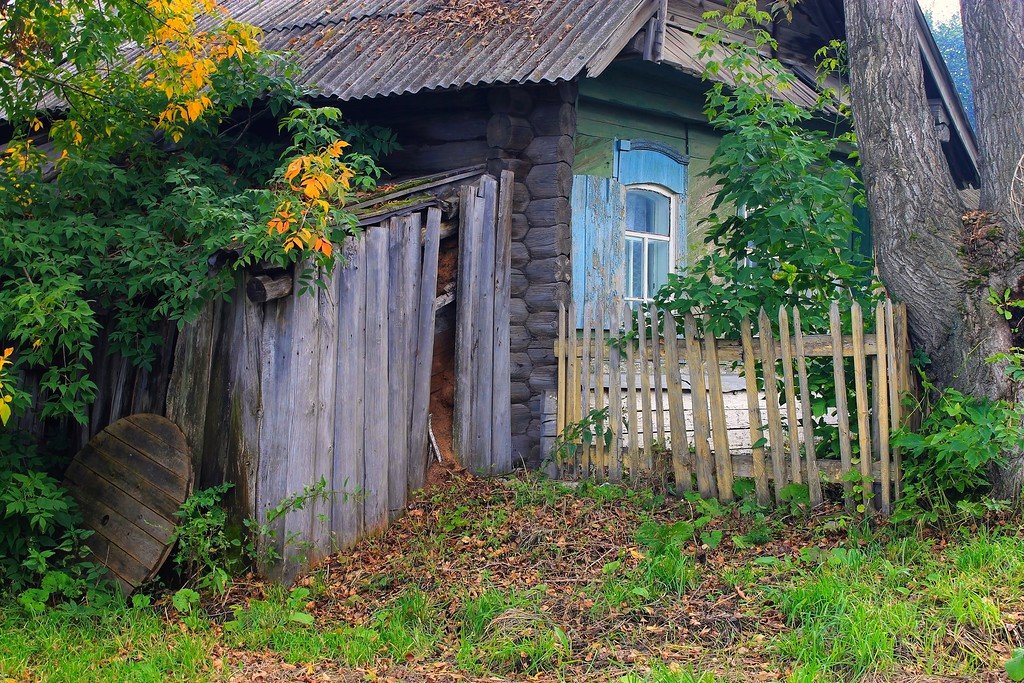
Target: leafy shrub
pixel 947 460
pixel 39 534
pixel 205 552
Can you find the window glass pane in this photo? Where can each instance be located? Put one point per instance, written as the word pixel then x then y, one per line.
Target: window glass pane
pixel 634 268
pixel 657 265
pixel 648 211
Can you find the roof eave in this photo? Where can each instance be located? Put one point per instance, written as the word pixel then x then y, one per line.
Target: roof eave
pixel 934 62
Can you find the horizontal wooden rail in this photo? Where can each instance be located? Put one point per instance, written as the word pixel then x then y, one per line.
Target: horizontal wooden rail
pixel 731 350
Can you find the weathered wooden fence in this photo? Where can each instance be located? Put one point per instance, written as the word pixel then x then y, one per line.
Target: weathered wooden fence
pixel 667 410
pixel 333 384
pixel 482 426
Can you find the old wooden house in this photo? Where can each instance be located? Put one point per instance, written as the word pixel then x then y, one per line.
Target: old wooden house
pixel 578 127
pixel 596 107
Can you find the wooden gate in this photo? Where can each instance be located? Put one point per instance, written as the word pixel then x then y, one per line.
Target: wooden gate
pixel 661 392
pixel 482 425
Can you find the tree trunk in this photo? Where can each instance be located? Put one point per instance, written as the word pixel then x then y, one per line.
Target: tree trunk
pixel 994 38
pixel 925 255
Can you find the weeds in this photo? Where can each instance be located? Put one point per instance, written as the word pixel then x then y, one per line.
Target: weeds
pixel 531 578
pixel 506 632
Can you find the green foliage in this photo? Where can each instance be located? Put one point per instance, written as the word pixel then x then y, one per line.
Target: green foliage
pixel 582 434
pixel 113 643
pixel 946 461
pixel 408 627
pixel 671 673
pixel 783 230
pixel 204 552
pixel 208 553
pixel 1015 665
pixel 1004 302
pixel 764 252
pixel 261 545
pixel 41 545
pixel 894 606
pixel 124 242
pixel 185 600
pixel 506 632
pixel 112 207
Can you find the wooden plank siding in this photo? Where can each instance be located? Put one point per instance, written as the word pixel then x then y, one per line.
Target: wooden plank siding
pixel 331 384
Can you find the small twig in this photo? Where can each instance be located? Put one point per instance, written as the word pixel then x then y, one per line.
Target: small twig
pixel 433 439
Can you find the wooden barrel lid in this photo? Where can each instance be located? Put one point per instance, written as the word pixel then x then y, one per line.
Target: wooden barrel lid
pixel 129 480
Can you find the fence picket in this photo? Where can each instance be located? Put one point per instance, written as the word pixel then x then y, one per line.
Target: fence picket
pixel 787 375
pixel 754 411
pixel 882 407
pixel 601 375
pixel 633 460
pixel 842 410
pixel 573 391
pixel 860 379
pixel 645 387
pixel 771 394
pixel 676 414
pixel 614 398
pixel 705 467
pixel 719 431
pixel 895 386
pixel 659 396
pixel 564 362
pixel 585 381
pixel 807 418
pixel 599 395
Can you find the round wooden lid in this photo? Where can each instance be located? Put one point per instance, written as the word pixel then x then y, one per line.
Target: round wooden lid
pixel 129 480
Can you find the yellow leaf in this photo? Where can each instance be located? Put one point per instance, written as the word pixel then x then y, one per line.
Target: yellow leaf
pixel 195 109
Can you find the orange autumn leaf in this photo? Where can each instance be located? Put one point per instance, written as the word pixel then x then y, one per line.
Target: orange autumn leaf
pixel 294 168
pixel 335 149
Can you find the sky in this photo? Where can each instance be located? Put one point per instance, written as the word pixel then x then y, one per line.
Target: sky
pixel 941 9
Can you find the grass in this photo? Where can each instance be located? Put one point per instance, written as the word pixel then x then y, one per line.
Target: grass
pixel 528 579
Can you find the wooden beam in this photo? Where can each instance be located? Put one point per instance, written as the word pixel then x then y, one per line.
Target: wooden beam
pixel 264 288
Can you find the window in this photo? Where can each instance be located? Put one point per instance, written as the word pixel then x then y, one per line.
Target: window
pixel 629 228
pixel 651 213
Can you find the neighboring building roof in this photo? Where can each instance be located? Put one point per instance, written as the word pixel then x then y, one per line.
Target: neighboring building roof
pixel 353 49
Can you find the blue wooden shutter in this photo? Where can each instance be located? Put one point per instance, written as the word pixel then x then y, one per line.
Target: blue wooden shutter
pixel 654 163
pixel 598 243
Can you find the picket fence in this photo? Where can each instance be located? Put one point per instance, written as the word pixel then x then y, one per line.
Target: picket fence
pixel 666 406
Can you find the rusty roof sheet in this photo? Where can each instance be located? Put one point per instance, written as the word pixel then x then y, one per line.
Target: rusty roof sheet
pixel 353 49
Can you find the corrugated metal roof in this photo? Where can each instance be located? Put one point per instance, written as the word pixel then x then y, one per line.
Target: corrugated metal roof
pixel 353 49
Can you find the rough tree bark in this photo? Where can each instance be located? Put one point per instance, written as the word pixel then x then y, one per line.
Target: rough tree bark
pixel 994 36
pixel 925 255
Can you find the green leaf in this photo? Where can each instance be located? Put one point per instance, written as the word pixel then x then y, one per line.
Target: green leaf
pixel 303 618
pixel 1015 666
